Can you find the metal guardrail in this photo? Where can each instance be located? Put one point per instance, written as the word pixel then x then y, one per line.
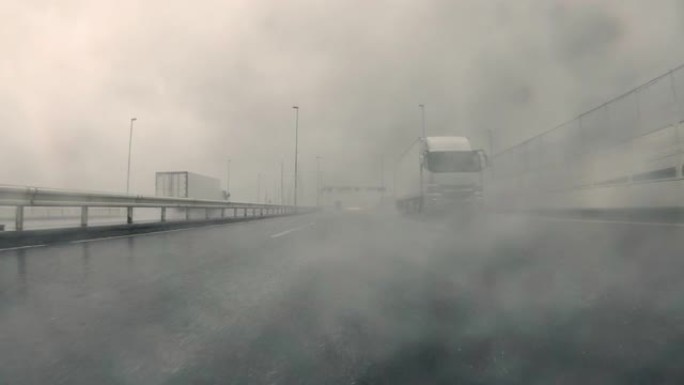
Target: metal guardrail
pixel 22 197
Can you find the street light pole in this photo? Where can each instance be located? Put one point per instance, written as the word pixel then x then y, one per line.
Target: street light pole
pixel 130 146
pixel 296 108
pixel 382 175
pixel 258 197
pixel 318 181
pixel 228 178
pixel 282 183
pixel 422 118
pixel 490 137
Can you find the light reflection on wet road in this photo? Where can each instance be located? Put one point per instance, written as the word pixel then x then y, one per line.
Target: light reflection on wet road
pixel 350 298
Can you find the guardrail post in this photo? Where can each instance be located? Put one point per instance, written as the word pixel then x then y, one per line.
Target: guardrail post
pixel 235 214
pixel 206 213
pixel 223 213
pixel 244 212
pixel 261 212
pixel 19 218
pixel 187 213
pixel 129 215
pixel 84 216
pixel 163 214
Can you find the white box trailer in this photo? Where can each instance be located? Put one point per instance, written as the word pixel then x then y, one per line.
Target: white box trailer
pixel 439 173
pixel 185 184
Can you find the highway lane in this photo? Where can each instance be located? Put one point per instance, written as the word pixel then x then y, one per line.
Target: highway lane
pixel 346 298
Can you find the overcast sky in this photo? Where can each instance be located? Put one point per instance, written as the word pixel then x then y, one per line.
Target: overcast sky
pixel 210 80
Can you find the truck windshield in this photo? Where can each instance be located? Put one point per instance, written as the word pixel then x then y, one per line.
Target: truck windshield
pixel 453 161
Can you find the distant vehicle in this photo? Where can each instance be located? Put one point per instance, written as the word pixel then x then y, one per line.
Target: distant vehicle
pixel 439 173
pixel 184 184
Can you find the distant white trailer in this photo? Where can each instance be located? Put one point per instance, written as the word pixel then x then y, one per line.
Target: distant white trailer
pixel 185 184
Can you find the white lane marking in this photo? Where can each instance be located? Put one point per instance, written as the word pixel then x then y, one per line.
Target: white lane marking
pixel 608 221
pixel 280 234
pixel 21 247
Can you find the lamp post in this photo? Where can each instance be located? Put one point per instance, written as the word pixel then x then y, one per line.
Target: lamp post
pixel 228 178
pixel 282 183
pixel 318 181
pixel 258 194
pixel 130 146
pixel 490 137
pixel 382 175
pixel 296 108
pixel 422 118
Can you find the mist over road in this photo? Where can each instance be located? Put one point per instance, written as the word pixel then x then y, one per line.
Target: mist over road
pixel 343 298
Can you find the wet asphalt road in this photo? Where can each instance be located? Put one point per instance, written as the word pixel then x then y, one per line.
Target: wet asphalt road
pixel 353 298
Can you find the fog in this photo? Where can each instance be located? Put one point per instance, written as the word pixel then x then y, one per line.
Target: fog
pixel 215 80
pixel 350 300
pixel 358 295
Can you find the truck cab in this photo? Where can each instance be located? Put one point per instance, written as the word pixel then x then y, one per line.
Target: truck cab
pixel 451 172
pixel 439 174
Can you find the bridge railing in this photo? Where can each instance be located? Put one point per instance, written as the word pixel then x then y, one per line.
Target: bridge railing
pixel 20 198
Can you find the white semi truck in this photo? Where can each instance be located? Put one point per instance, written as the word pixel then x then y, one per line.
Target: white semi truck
pixel 439 173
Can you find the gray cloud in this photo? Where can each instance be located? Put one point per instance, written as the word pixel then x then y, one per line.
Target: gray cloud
pixel 213 80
